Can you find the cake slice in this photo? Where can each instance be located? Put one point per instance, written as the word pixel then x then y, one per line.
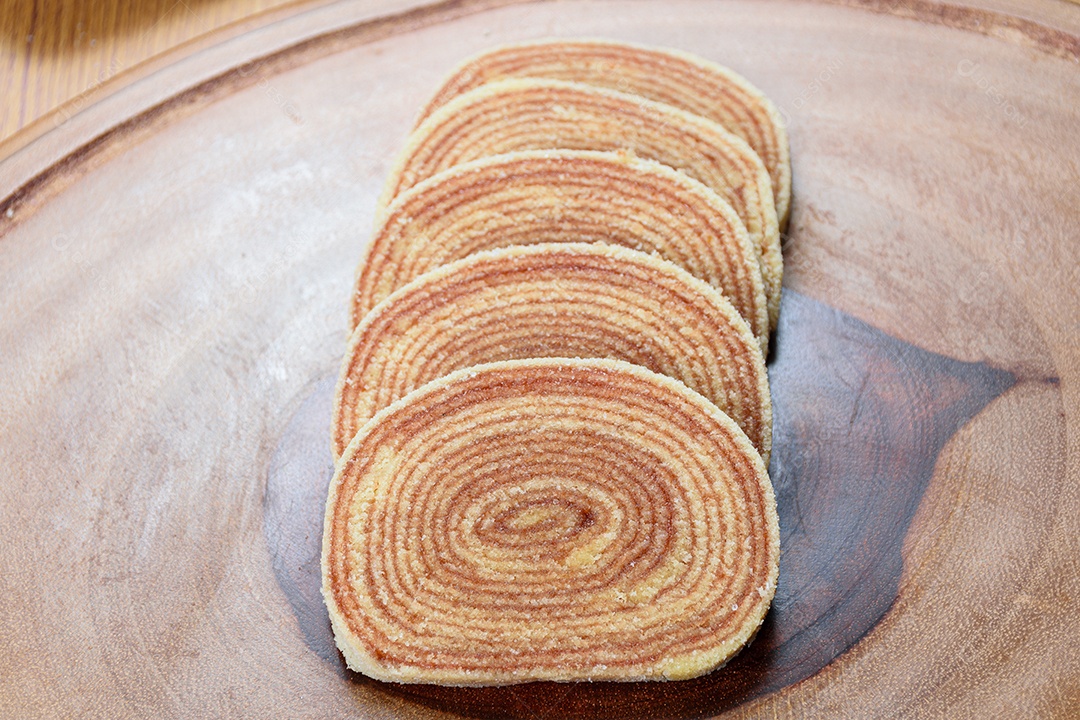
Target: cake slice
pixel 548 519
pixel 555 300
pixel 669 76
pixel 544 196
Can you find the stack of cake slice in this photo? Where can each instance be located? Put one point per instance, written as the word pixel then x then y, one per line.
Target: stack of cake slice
pixel 553 421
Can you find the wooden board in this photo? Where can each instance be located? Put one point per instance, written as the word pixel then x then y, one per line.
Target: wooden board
pixel 175 259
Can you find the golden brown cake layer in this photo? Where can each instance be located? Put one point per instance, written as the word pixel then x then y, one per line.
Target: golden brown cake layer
pixel 686 81
pixel 546 196
pixel 534 114
pixel 548 519
pixel 555 300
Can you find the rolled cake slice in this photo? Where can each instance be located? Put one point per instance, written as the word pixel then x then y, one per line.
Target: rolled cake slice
pixel 548 519
pixel 534 114
pixel 543 196
pixel 686 81
pixel 555 300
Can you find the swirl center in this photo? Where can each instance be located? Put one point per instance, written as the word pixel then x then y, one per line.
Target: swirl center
pixel 541 520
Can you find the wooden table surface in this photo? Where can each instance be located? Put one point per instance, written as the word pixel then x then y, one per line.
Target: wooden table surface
pixel 53 51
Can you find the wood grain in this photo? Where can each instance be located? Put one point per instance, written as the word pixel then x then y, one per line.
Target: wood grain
pixel 174 262
pixel 55 51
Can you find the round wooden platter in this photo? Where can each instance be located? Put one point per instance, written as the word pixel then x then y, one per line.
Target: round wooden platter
pixel 177 249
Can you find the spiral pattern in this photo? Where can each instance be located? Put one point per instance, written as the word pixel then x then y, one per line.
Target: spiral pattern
pixel 555 300
pixel 533 114
pixel 533 197
pixel 668 76
pixel 548 519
